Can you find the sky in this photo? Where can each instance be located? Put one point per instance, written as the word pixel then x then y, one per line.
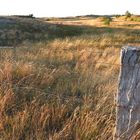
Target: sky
pixel 63 8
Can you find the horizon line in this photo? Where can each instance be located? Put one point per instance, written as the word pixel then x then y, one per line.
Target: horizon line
pixel 4 15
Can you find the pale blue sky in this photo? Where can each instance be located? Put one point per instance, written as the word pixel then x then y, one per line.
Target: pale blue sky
pixel 58 8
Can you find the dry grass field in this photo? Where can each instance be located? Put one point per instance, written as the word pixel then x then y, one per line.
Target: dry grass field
pixel 62 83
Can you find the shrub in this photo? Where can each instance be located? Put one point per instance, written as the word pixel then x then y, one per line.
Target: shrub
pixel 107 20
pixel 135 18
pixel 128 14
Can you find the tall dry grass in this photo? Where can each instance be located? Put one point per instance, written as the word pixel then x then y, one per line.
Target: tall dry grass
pixel 63 89
pixel 58 91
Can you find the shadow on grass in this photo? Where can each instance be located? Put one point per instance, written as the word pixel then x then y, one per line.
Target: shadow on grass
pixel 35 30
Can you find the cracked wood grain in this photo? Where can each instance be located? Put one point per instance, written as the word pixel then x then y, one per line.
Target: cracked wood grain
pixel 128 96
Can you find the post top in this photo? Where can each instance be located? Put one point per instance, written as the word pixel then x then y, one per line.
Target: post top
pixel 131 48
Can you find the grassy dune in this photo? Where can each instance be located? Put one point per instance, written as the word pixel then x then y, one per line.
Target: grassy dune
pixel 61 86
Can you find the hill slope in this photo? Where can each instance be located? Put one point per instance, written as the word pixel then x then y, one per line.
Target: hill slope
pixel 15 30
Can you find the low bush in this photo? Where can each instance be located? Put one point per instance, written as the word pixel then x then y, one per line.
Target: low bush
pixel 107 20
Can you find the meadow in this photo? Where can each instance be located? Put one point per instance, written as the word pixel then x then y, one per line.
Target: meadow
pixel 62 82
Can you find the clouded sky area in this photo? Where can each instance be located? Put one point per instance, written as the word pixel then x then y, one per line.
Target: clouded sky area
pixel 62 8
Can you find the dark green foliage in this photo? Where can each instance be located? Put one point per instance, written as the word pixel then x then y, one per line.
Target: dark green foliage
pixel 128 14
pixel 106 20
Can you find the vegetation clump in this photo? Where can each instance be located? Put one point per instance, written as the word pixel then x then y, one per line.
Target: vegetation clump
pixel 128 14
pixel 107 20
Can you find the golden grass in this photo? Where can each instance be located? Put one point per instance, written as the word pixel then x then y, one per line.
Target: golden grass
pixel 63 89
pixel 121 22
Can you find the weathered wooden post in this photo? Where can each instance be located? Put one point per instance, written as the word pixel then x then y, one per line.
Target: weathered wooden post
pixel 128 96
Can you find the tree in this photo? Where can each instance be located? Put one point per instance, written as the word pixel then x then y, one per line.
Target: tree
pixel 107 20
pixel 128 14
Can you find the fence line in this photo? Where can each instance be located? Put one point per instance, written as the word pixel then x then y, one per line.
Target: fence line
pixel 111 64
pixel 97 62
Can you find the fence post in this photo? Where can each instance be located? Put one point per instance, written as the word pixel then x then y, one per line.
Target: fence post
pixel 128 96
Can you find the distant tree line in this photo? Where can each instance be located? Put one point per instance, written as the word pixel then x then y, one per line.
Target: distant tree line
pixel 25 16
